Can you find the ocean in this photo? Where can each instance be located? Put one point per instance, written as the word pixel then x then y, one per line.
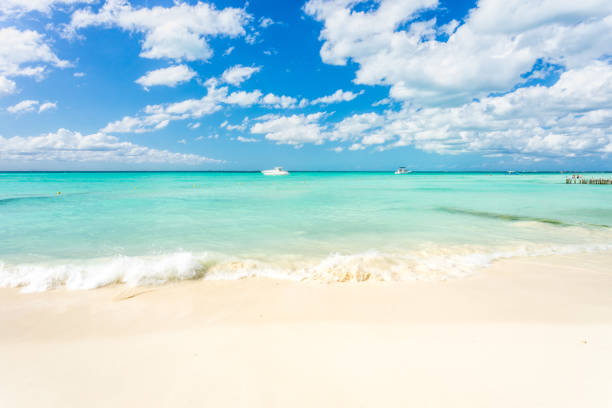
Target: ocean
pixel 87 230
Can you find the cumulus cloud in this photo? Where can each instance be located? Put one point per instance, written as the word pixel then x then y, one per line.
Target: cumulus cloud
pixel 47 106
pixel 7 86
pixel 294 130
pixel 243 98
pixel 170 76
pixel 571 118
pixel 30 105
pixel 141 124
pixel 155 117
pixel 24 106
pixel 355 126
pixel 498 42
pixel 66 145
pixel 238 74
pixel 12 7
pixel 280 102
pixel 338 96
pixel 179 32
pixel 24 53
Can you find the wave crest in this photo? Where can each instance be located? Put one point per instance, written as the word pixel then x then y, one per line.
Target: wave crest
pixel 434 263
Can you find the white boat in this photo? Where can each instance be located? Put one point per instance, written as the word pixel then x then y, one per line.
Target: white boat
pixel 403 170
pixel 277 171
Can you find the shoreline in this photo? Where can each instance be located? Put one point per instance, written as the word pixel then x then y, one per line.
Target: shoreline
pixel 424 264
pixel 532 332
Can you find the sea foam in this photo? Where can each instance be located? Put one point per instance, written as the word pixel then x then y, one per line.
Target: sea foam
pixel 433 263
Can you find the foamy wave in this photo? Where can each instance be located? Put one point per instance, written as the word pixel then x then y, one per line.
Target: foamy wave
pixel 433 263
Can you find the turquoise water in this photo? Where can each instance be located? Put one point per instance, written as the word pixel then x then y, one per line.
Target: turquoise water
pixel 143 228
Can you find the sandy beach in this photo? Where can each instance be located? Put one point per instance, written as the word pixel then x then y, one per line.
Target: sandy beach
pixel 532 332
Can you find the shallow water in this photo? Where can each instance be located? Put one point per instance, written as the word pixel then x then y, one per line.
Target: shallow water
pixel 144 228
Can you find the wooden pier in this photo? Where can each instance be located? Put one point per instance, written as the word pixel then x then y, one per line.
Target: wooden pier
pixel 578 179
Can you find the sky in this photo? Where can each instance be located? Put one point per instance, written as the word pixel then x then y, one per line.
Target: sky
pixel 307 85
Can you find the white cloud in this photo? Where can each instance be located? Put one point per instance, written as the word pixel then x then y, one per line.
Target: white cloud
pixel 240 127
pixel 228 51
pixel 353 127
pixel 251 37
pixel 182 141
pixel 157 117
pixel 571 118
pixel 238 74
pixel 170 76
pixel 293 130
pixel 24 53
pixel 47 106
pixel 279 102
pixel 243 98
pixel 142 124
pixel 247 139
pixel 7 86
pixel 265 22
pixel 11 7
pixel 383 101
pixel 338 96
pixel 28 105
pixel 498 42
pixel 66 145
pixel 79 74
pixel 179 32
pixel 193 126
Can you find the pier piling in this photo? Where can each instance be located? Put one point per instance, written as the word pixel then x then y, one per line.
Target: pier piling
pixel 579 179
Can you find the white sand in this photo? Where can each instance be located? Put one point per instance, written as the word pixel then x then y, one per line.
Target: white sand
pixel 525 333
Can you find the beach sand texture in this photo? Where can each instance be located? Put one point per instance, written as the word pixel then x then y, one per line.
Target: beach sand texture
pixel 528 332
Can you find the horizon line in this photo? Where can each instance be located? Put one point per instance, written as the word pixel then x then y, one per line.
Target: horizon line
pixel 305 171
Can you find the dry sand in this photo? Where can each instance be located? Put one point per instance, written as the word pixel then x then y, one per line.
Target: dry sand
pixel 534 332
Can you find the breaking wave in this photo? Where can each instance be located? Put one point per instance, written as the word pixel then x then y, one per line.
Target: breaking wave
pixel 426 264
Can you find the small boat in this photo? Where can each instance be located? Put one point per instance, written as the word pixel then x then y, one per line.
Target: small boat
pixel 403 170
pixel 277 171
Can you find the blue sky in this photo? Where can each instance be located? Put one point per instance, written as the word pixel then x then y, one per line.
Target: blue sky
pixel 309 85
